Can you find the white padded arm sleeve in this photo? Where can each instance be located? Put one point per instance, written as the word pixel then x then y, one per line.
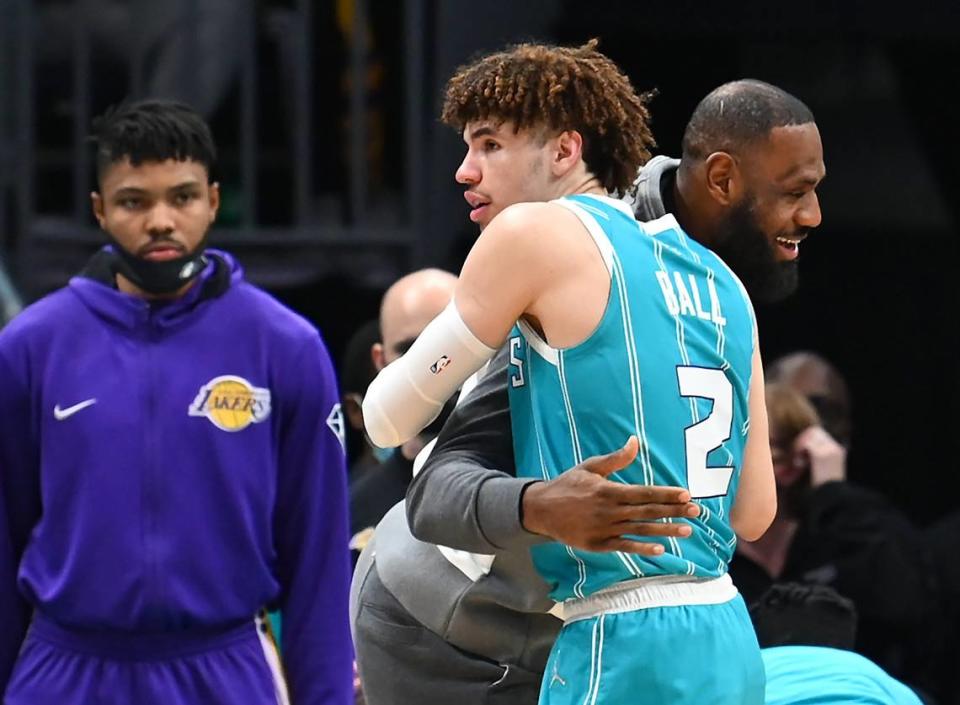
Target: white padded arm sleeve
pixel 409 393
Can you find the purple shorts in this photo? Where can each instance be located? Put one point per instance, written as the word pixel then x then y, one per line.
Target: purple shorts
pixel 57 666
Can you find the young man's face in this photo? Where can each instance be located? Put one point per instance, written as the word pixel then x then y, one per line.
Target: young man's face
pixel 502 168
pixel 158 210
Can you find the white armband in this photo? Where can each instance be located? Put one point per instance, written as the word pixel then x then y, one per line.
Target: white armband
pixel 409 393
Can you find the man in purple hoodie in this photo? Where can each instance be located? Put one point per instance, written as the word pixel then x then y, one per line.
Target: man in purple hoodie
pixel 171 461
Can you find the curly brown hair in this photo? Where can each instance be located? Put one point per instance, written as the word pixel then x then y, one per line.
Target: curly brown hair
pixel 562 88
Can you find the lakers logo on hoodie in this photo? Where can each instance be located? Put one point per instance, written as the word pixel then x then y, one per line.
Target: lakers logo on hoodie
pixel 231 403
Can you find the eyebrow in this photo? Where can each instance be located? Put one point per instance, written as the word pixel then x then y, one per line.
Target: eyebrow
pixel 801 175
pixel 137 191
pixel 485 131
pixel 129 191
pixel 806 181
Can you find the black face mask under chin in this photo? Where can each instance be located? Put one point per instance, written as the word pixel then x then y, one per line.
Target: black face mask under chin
pixel 159 277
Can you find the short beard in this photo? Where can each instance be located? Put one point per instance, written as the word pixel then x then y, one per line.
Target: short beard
pixel 746 249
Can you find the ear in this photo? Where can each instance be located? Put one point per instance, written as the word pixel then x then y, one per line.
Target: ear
pixel 214 200
pixel 376 354
pixel 568 152
pixel 723 179
pixel 96 202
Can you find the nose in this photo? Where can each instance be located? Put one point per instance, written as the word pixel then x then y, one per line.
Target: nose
pixel 468 172
pixel 160 220
pixel 808 214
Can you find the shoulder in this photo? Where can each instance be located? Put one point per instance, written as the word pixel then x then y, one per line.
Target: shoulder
pixel 534 229
pixel 525 218
pixel 40 319
pixel 272 317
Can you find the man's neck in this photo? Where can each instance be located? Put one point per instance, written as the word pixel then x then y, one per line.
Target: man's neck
pixel 692 210
pixel 582 184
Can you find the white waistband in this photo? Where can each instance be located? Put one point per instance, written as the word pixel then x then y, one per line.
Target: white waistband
pixel 644 593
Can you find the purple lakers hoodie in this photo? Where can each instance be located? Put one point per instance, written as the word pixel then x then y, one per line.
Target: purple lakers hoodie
pixel 174 466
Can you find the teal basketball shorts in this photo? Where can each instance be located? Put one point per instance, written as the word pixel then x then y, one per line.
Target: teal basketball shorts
pixel 654 641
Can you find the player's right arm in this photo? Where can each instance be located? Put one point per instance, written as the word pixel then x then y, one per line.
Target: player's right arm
pixel 756 502
pixel 509 267
pixel 19 504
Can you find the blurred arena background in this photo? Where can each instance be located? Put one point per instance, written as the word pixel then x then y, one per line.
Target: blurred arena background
pixel 338 177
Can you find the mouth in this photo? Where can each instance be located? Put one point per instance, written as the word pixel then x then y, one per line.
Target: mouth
pixel 478 204
pixel 789 247
pixel 161 252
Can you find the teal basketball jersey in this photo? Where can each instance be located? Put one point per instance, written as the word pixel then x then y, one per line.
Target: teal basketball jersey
pixel 670 362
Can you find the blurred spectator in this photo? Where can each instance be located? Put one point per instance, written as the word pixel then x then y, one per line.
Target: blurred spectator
pixel 406 309
pixel 830 532
pixel 823 386
pixel 806 633
pixel 356 372
pixel 793 614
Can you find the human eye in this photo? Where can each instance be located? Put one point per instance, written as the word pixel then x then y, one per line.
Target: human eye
pixel 182 198
pixel 130 203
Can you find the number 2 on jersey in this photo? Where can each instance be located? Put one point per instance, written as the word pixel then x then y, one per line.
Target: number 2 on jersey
pixel 707 383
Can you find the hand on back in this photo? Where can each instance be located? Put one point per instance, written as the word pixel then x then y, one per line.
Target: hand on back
pixel 584 509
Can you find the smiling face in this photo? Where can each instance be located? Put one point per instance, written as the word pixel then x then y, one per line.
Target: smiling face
pixel 781 175
pixel 503 167
pixel 157 211
pixel 760 234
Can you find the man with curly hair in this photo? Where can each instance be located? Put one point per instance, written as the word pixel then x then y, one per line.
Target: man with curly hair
pixel 421 617
pixel 575 275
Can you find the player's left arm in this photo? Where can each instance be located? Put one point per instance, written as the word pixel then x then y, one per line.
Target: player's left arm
pixel 756 502
pixel 311 533
pixel 505 272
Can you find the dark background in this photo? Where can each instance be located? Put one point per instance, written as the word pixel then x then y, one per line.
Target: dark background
pixel 878 294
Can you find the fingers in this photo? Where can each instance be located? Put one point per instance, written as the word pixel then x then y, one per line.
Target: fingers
pixel 628 546
pixel 611 462
pixel 814 438
pixel 655 528
pixel 647 494
pixel 652 512
pixel 623 540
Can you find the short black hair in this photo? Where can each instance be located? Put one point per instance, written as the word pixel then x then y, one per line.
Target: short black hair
pixel 738 113
pixel 152 131
pixel 799 614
